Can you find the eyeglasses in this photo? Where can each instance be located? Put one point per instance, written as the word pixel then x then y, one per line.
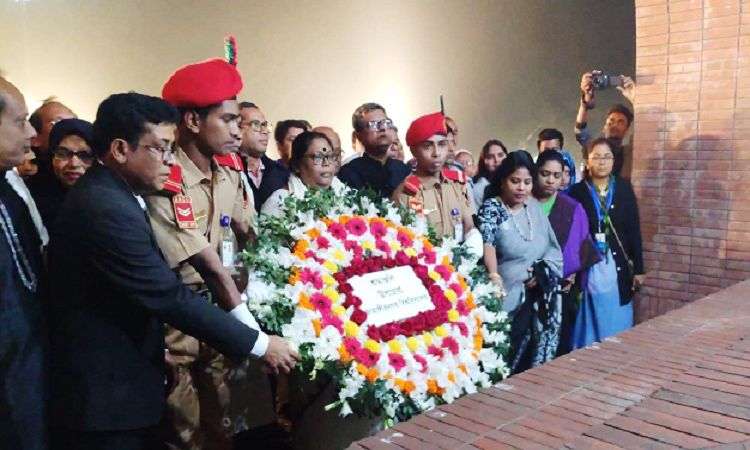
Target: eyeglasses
pixel 329 158
pixel 64 154
pixel 257 125
pixel 166 152
pixel 376 125
pixel 598 159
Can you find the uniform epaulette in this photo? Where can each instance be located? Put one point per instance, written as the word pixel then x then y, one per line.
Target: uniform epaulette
pixel 455 175
pixel 411 185
pixel 173 185
pixel 231 160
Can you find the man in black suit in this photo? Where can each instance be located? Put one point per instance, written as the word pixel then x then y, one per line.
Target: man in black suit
pixel 112 291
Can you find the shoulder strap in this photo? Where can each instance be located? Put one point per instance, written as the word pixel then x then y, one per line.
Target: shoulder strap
pixel 231 160
pixel 173 185
pixel 411 185
pixel 455 175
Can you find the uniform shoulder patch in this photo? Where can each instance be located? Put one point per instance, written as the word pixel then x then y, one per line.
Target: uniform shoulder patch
pixel 411 185
pixel 455 175
pixel 231 160
pixel 173 185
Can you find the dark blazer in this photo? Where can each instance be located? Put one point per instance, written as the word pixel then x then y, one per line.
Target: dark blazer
pixel 111 293
pixel 368 172
pixel 627 223
pixel 274 178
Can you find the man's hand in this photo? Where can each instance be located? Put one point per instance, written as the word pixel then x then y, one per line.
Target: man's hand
pixel 638 281
pixel 628 88
pixel 587 88
pixel 571 279
pixel 531 282
pixel 279 357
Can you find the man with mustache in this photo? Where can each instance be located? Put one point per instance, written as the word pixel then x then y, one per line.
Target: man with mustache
pixel 189 218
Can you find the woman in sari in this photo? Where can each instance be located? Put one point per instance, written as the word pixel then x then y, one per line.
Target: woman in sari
pixel 612 209
pixel 523 257
pixel 492 155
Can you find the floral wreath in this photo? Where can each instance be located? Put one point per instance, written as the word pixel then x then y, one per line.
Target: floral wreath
pixel 304 265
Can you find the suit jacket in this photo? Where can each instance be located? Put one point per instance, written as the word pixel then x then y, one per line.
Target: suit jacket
pixel 111 293
pixel 627 223
pixel 274 178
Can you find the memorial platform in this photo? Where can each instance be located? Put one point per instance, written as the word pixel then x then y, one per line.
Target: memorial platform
pixel 678 380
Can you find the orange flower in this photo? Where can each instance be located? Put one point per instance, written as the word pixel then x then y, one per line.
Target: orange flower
pixel 377 219
pixel 388 377
pixel 344 219
pixel 475 355
pixel 462 368
pixel 408 387
pixel 327 221
pixel 470 302
pixel 452 378
pixel 372 375
pixel 399 383
pixel 441 391
pixel 447 263
pixel 343 354
pixel 294 278
pixel 462 283
pixel 479 322
pixel 304 302
pixel 362 369
pixel 432 386
pixel 389 224
pixel 478 341
pixel 318 327
pixel 313 233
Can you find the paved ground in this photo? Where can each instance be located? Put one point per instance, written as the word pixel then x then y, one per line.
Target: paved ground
pixel 679 380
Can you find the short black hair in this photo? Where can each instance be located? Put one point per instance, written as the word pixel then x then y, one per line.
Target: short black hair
pixel 548 156
pixel 300 145
pixel 481 167
pixel 622 109
pixel 520 159
pixel 244 105
pixel 548 134
pixel 359 113
pixel 282 126
pixel 124 116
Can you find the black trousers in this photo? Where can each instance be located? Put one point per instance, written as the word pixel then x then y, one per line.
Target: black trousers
pixel 521 322
pixel 569 314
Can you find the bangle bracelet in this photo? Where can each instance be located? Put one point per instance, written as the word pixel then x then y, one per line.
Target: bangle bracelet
pixel 495 274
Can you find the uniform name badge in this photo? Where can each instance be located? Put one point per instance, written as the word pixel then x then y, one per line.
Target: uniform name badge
pixel 601 240
pixel 416 205
pixel 183 211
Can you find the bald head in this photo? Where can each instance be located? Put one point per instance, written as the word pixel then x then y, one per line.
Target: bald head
pixel 330 134
pixel 15 130
pixel 43 119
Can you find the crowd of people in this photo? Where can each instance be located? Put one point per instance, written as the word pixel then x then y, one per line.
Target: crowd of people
pixel 111 249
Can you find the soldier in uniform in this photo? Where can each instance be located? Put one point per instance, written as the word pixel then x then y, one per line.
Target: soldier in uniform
pixel 204 189
pixel 439 194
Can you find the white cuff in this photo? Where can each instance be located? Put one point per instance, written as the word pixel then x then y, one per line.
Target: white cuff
pixel 241 313
pixel 474 242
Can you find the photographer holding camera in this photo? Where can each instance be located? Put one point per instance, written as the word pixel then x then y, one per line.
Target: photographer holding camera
pixel 619 117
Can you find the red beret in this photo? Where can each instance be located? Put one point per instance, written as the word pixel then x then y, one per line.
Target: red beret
pixel 424 128
pixel 202 84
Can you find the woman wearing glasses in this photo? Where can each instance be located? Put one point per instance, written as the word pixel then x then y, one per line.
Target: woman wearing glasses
pixel 612 209
pixel 70 145
pixel 313 164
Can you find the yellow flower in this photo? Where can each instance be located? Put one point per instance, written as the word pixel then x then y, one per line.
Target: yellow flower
pixel 427 337
pixel 352 329
pixel 395 245
pixel 440 331
pixel 367 245
pixel 331 266
pixel 435 276
pixel 412 343
pixel 395 346
pixel 453 315
pixel 371 345
pixel 332 294
pixel 328 280
pixel 338 254
pixel 410 252
pixel 338 310
pixel 450 294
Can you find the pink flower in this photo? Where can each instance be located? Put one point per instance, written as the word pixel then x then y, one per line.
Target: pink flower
pixel 352 345
pixel 359 317
pixel 462 308
pixel 357 227
pixel 378 229
pixel 337 230
pixel 323 243
pixel 451 344
pixel 429 256
pixel 456 288
pixel 366 357
pixel 331 320
pixel 421 361
pixel 462 328
pixel 443 271
pixel 404 239
pixel 308 276
pixel 383 246
pixel 321 302
pixel 353 246
pixel 401 259
pixel 396 361
pixel 434 351
pixel 373 333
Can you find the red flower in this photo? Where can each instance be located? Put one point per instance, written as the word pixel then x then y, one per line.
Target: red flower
pixel 421 361
pixel 352 345
pixel 420 323
pixel 462 328
pixel 345 288
pixel 359 316
pixel 378 229
pixel 396 361
pixel 330 319
pixel 373 333
pixel 401 259
pixel 321 302
pixel 443 271
pixel 388 331
pixel 434 351
pixel 323 243
pixel 390 263
pixel 451 344
pixel 456 288
pixel 354 247
pixel 367 357
pixel 422 273
pixel 406 327
pixel 462 308
pixel 404 239
pixel 429 256
pixel 308 276
pixel 337 230
pixel 356 226
pixel 383 246
pixel 311 255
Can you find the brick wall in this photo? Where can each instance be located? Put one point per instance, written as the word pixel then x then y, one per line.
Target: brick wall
pixel 692 147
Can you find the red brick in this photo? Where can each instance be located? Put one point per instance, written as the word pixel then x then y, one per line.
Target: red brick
pixel 658 433
pixel 685 425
